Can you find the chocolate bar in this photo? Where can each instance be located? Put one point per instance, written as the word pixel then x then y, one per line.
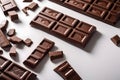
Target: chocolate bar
pixel 107 11
pixel 67 72
pixel 4 42
pixel 8 5
pixel 63 26
pixel 39 53
pixel 12 71
pixel 13 15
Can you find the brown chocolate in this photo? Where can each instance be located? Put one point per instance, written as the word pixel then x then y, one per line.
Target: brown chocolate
pixel 13 15
pixel 4 42
pixel 3 25
pixel 28 42
pixel 56 55
pixel 15 40
pixel 11 32
pixel 116 40
pixel 25 11
pixel 8 5
pixel 27 0
pixel 63 26
pixel 33 6
pixel 13 51
pixel 5 77
pixel 67 72
pixel 98 9
pixel 1 52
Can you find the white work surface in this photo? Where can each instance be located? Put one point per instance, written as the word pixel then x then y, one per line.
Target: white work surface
pixel 99 61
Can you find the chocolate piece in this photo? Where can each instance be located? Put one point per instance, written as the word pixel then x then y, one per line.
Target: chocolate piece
pixel 28 42
pixel 13 15
pixel 11 32
pixel 3 25
pixel 98 9
pixel 1 52
pixel 12 71
pixel 55 55
pixel 116 40
pixel 15 40
pixel 27 0
pixel 25 11
pixel 67 72
pixel 63 26
pixel 39 53
pixel 33 6
pixel 8 5
pixel 13 51
pixel 4 42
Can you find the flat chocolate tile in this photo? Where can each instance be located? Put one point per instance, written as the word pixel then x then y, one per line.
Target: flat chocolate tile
pixel 115 8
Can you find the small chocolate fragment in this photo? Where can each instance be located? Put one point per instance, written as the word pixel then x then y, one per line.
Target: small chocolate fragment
pixel 116 40
pixel 13 51
pixel 3 25
pixel 25 10
pixel 28 42
pixel 13 15
pixel 67 72
pixel 15 40
pixel 11 32
pixel 1 52
pixel 55 55
pixel 33 6
pixel 27 0
pixel 4 42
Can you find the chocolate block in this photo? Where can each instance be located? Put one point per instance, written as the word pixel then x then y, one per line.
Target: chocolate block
pixel 3 25
pixel 116 40
pixel 33 6
pixel 13 15
pixel 55 55
pixel 98 9
pixel 27 0
pixel 25 11
pixel 15 40
pixel 13 51
pixel 65 27
pixel 4 63
pixel 11 32
pixel 5 77
pixel 1 52
pixel 8 5
pixel 28 42
pixel 67 72
pixel 4 42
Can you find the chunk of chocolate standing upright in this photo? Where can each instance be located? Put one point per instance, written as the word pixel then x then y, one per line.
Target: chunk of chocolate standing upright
pixel 116 40
pixel 13 15
pixel 13 51
pixel 28 42
pixel 67 72
pixel 11 32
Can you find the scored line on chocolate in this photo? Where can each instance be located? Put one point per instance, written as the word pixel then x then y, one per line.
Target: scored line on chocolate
pixel 63 26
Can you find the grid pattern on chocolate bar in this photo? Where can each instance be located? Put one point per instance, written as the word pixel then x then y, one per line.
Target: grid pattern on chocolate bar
pixel 65 27
pixel 67 72
pixel 39 53
pixel 12 71
pixel 98 9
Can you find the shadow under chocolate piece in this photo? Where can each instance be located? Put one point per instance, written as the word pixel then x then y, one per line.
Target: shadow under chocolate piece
pixel 8 5
pixel 107 11
pixel 67 72
pixel 39 53
pixel 63 26
pixel 12 71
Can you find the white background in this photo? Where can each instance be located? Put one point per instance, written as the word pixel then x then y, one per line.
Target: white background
pixel 99 61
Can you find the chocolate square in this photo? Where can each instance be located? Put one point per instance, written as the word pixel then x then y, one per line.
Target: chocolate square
pixel 116 8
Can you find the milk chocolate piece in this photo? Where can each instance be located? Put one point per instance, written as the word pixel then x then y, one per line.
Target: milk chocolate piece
pixel 25 10
pixel 13 51
pixel 15 40
pixel 8 5
pixel 4 42
pixel 11 32
pixel 33 6
pixel 5 77
pixel 3 25
pixel 28 42
pixel 116 40
pixel 67 72
pixel 13 15
pixel 27 0
pixel 55 55
pixel 98 9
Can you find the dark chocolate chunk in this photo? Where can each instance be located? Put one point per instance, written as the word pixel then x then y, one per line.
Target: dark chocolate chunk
pixel 13 15
pixel 98 9
pixel 5 77
pixel 67 72
pixel 8 5
pixel 56 55
pixel 4 42
pixel 11 32
pixel 116 40
pixel 27 0
pixel 33 6
pixel 3 25
pixel 25 11
pixel 15 40
pixel 63 26
pixel 28 42
pixel 13 51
